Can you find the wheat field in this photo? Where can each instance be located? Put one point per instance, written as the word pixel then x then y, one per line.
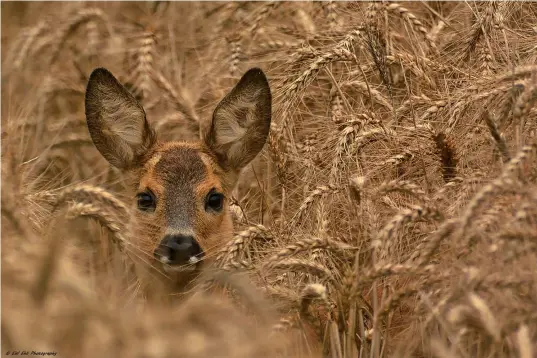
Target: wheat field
pixel 391 213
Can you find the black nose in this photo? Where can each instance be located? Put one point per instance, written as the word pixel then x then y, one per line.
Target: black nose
pixel 178 250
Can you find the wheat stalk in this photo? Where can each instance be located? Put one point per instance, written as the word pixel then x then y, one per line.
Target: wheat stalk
pixel 319 192
pixel 497 136
pixel 81 17
pixel 307 244
pixel 303 266
pixel 416 24
pixel 93 194
pixel 105 218
pixel 241 241
pixel 385 240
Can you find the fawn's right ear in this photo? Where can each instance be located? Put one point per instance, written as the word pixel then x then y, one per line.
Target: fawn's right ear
pixel 116 121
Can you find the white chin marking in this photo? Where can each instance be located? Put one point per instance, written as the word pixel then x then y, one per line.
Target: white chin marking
pixel 191 266
pixel 175 269
pixel 193 260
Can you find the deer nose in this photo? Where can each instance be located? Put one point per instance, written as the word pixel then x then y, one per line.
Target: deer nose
pixel 178 250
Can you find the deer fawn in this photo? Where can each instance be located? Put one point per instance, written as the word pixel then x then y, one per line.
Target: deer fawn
pixel 180 190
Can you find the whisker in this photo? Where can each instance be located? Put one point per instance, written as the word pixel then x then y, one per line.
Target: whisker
pixel 138 251
pixel 151 266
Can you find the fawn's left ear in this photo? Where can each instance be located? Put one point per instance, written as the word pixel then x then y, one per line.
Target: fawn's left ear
pixel 241 121
pixel 116 121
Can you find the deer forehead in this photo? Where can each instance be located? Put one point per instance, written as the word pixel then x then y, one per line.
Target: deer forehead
pixel 180 173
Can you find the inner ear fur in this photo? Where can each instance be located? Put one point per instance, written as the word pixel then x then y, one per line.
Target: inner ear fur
pixel 116 121
pixel 241 121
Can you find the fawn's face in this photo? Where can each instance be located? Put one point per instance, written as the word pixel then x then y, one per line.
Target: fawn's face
pixel 181 190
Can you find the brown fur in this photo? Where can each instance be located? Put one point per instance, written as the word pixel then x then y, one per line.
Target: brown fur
pixel 179 174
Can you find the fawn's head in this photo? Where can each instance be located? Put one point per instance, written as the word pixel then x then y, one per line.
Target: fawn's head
pixel 181 190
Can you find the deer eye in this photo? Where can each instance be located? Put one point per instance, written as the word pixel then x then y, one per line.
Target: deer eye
pixel 146 201
pixel 214 201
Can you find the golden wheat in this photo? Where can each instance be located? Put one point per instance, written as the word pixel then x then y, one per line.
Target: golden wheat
pixel 391 214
